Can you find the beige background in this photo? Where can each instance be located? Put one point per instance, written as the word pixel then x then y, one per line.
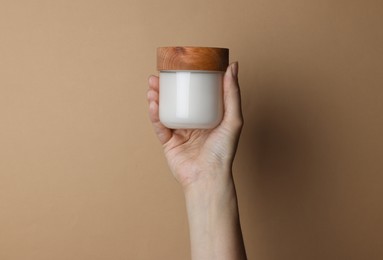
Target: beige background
pixel 82 175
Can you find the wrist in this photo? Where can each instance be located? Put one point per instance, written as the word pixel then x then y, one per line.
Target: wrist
pixel 212 194
pixel 209 183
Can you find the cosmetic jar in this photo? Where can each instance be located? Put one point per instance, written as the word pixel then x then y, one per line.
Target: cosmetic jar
pixel 190 90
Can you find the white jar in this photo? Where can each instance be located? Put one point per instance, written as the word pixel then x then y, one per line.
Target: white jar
pixel 190 91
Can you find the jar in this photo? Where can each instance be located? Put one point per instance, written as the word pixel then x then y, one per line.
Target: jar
pixel 190 91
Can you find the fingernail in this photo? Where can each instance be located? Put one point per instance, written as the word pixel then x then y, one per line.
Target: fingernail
pixel 150 79
pixel 234 69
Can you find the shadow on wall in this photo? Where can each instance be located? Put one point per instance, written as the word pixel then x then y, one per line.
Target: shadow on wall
pixel 287 169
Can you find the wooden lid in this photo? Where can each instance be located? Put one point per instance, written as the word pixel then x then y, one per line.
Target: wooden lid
pixel 192 58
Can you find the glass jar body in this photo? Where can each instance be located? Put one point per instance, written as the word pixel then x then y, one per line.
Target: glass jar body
pixel 190 99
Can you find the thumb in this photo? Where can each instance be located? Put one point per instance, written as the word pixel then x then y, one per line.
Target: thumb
pixel 233 117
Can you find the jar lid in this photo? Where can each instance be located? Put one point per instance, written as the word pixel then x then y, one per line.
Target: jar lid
pixel 192 58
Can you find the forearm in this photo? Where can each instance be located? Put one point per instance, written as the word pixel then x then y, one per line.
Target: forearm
pixel 215 231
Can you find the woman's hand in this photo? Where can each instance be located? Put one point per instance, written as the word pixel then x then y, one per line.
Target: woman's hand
pixel 201 160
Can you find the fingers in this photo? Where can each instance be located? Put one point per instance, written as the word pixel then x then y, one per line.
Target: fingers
pixel 232 98
pixel 163 133
pixel 153 91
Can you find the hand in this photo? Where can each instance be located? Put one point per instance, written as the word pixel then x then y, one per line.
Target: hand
pixel 196 155
pixel 201 160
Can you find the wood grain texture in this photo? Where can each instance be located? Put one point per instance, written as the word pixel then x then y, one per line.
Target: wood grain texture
pixel 192 58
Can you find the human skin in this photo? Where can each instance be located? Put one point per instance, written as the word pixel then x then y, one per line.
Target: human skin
pixel 201 160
